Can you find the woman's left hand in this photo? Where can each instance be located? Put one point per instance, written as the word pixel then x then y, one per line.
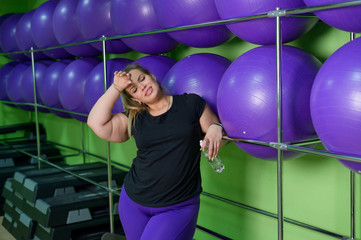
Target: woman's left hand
pixel 213 140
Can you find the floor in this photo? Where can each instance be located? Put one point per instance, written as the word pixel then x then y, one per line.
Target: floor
pixel 4 234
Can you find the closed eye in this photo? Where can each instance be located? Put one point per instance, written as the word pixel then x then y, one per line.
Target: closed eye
pixel 141 78
pixel 133 89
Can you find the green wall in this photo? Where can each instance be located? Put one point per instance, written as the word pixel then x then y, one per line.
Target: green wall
pixel 316 189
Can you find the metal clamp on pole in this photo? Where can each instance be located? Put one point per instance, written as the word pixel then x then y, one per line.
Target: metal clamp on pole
pixel 277 13
pixel 278 146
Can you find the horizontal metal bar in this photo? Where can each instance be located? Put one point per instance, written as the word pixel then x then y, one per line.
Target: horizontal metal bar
pixel 62 169
pixel 43 106
pixel 105 160
pixel 91 154
pixel 210 232
pixel 287 147
pixel 323 7
pixel 13 139
pixel 323 153
pixel 62 156
pixel 16 103
pixel 205 24
pixel 266 213
pixel 305 142
pixel 65 146
pixel 255 142
pixel 61 110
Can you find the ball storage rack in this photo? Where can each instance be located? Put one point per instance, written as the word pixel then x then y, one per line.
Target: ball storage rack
pixel 280 146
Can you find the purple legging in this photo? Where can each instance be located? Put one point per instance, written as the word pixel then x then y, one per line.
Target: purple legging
pixel 174 222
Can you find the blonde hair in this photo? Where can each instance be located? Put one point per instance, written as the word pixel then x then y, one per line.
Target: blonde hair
pixel 131 107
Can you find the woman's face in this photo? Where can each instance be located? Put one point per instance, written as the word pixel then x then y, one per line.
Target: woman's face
pixel 144 88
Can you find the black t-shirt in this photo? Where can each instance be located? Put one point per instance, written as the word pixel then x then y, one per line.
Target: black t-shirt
pixel 166 169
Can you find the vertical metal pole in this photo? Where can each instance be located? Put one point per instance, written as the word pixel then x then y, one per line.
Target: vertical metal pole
pixel 279 125
pixel 35 107
pixel 109 166
pixel 352 187
pixel 82 140
pixel 352 207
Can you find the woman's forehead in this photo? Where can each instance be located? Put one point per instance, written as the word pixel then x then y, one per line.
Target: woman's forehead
pixel 134 74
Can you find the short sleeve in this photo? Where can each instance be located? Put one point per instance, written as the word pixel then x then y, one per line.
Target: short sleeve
pixel 197 103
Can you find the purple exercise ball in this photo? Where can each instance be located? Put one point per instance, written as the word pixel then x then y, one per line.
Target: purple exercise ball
pixel 71 86
pixel 48 86
pixel 199 73
pixel 8 37
pixel 247 98
pixel 336 103
pixel 27 83
pixel 2 20
pixel 345 18
pixel 263 31
pixel 43 32
pixel 94 86
pixel 5 72
pixel 94 27
pixel 177 13
pixel 13 84
pixel 66 29
pixel 4 17
pixel 157 65
pixel 24 38
pixel 135 16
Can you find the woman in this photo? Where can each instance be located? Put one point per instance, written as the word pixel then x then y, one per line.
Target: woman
pixel 160 195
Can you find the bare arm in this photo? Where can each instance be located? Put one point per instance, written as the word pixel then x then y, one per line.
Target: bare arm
pixel 105 124
pixel 213 132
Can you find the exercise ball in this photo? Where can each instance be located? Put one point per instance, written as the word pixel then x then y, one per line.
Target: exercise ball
pixel 336 103
pixel 48 86
pixel 247 99
pixel 66 29
pixel 13 84
pixel 23 36
pixel 199 73
pixel 5 72
pixel 8 37
pixel 177 13
pixel 94 27
pixel 94 86
pixel 42 30
pixel 71 86
pixel 135 16
pixel 345 18
pixel 27 83
pixel 263 31
pixel 158 65
pixel 2 20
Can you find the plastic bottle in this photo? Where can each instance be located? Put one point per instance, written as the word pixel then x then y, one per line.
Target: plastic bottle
pixel 215 163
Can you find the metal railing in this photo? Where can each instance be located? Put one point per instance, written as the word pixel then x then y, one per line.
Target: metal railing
pixel 279 145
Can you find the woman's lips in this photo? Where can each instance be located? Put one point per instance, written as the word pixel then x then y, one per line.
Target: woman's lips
pixel 149 91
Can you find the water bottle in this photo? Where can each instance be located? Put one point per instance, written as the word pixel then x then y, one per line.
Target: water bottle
pixel 215 163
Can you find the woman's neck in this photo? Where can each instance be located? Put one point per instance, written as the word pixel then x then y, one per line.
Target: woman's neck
pixel 161 106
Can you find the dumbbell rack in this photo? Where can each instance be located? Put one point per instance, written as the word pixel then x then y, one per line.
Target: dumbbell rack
pixel 279 145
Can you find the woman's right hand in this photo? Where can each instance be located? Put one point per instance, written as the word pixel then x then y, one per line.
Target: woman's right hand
pixel 108 126
pixel 121 80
